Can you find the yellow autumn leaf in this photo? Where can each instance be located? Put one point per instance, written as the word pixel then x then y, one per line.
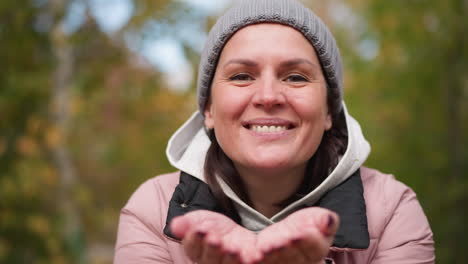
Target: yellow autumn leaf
pixel 39 224
pixel 59 259
pixel 34 125
pixel 76 105
pixel 27 146
pixel 53 137
pixel 49 176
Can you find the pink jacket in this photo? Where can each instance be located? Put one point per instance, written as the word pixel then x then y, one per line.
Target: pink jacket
pixel 399 230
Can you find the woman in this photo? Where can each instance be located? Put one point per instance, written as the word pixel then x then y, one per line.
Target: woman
pixel 271 166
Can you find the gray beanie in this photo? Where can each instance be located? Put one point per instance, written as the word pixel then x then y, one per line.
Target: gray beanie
pixel 286 12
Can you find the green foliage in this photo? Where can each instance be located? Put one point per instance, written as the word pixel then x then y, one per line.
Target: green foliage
pixel 121 115
pixel 25 231
pixel 411 100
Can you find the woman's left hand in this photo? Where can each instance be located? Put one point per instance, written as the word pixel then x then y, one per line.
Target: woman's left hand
pixel 302 237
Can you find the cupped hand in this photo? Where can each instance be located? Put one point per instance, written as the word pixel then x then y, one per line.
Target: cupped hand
pixel 303 237
pixel 212 238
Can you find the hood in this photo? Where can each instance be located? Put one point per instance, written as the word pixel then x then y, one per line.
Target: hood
pixel 188 146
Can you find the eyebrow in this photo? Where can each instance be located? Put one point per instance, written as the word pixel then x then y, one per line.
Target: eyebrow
pixel 284 64
pixel 294 62
pixel 245 62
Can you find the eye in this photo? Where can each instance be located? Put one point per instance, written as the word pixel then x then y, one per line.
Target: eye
pixel 296 78
pixel 241 77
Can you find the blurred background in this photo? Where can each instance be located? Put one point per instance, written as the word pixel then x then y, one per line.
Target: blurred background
pixel 91 90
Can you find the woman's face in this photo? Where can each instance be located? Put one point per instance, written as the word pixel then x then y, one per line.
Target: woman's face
pixel 268 102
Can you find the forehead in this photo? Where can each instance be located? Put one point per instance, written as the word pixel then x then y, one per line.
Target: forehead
pixel 268 39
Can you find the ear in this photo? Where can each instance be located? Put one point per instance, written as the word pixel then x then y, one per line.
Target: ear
pixel 209 121
pixel 328 122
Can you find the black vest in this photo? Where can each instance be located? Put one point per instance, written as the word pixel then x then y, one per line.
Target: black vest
pixel 346 199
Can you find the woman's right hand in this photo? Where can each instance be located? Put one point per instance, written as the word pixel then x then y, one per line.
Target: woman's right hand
pixel 303 237
pixel 212 238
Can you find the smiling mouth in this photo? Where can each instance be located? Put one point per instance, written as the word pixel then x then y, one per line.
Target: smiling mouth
pixel 268 129
pixel 268 126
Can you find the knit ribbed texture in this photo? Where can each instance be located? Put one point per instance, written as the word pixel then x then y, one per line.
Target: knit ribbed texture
pixel 287 12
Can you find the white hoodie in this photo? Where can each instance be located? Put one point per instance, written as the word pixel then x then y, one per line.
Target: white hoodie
pixel 188 146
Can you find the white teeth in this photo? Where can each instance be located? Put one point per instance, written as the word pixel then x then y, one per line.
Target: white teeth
pixel 267 129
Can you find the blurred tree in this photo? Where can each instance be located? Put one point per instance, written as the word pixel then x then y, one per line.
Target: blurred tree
pixel 27 225
pixel 80 116
pixel 60 121
pixel 406 64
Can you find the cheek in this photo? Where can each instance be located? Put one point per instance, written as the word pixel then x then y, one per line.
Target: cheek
pixel 228 107
pixel 229 104
pixel 310 106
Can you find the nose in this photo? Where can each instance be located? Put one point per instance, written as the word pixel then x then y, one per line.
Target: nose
pixel 269 93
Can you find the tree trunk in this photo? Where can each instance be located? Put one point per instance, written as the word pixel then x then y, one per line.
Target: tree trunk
pixel 60 122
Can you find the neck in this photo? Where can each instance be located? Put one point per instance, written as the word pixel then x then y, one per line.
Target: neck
pixel 268 188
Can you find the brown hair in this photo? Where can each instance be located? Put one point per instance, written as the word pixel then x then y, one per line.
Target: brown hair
pixel 332 146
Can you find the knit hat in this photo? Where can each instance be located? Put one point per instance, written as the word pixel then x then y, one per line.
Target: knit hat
pixel 286 12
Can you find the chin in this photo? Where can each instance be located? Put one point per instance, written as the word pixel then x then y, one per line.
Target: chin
pixel 270 164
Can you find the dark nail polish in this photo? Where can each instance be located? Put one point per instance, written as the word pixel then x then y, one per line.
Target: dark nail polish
pixel 200 234
pixel 214 246
pixel 296 241
pixel 331 221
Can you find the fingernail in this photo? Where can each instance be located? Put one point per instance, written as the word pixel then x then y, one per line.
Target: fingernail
pixel 330 224
pixel 213 245
pixel 331 221
pixel 281 248
pixel 200 234
pixel 296 241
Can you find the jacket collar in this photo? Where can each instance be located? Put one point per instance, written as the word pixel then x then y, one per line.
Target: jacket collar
pixel 346 199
